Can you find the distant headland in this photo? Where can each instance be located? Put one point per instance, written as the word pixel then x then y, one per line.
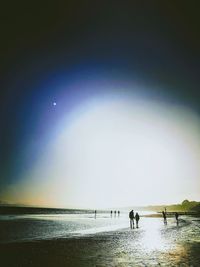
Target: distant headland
pixel 185 206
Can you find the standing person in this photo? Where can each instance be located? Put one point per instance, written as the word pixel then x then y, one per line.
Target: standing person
pixel 118 213
pixel 95 214
pixel 164 217
pixel 137 217
pixel 131 217
pixel 176 217
pixel 115 212
pixel 111 213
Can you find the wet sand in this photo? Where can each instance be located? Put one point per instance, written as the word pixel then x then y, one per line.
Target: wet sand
pixel 121 248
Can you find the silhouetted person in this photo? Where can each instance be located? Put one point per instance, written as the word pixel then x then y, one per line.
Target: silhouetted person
pixel 111 213
pixel 176 217
pixel 118 213
pixel 115 212
pixel 137 217
pixel 95 214
pixel 164 217
pixel 131 217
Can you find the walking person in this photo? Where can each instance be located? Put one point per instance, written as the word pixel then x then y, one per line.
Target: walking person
pixel 176 217
pixel 131 217
pixel 137 217
pixel 164 217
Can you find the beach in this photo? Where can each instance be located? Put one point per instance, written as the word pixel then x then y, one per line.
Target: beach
pixel 99 242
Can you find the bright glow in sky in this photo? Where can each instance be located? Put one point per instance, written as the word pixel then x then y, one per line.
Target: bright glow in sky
pixel 117 152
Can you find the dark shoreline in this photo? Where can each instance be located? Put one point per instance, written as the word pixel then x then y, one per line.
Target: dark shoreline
pixel 20 210
pixel 16 210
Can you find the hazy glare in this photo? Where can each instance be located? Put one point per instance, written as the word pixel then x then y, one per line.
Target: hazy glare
pixel 115 153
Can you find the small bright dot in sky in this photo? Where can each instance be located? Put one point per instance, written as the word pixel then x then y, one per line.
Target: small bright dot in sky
pixel 54 103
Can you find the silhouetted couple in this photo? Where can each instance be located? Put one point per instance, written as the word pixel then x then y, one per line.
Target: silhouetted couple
pixel 132 217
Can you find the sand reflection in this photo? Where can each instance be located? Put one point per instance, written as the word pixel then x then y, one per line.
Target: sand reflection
pixel 152 238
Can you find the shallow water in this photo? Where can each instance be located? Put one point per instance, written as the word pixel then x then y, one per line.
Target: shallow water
pixel 47 226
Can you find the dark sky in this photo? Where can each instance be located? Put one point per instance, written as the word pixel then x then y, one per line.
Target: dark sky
pixel 45 44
